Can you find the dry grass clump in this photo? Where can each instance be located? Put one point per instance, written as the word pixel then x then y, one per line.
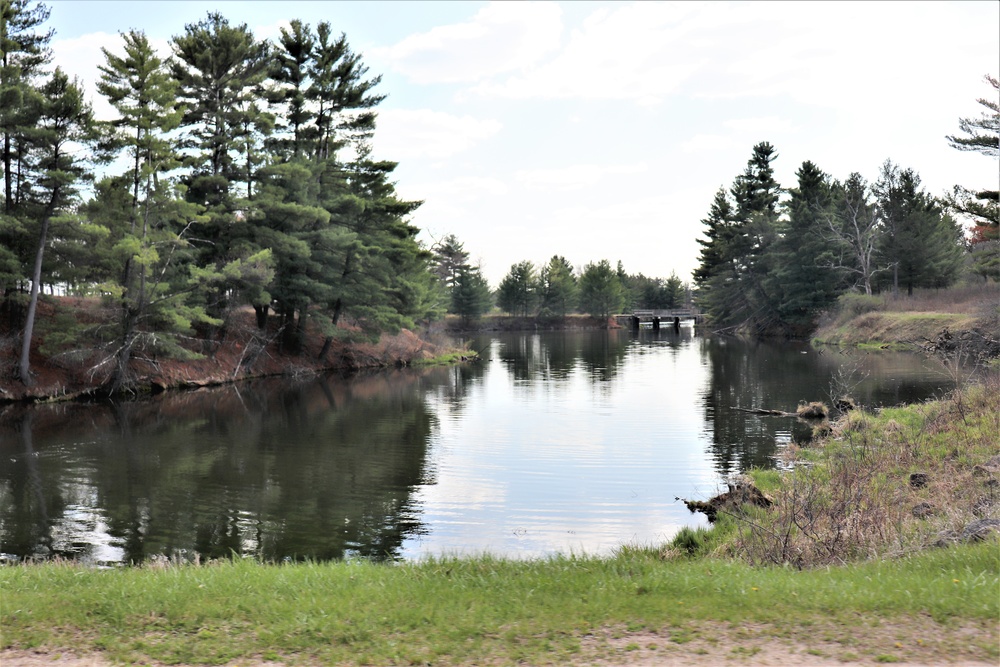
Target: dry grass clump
pixel 884 485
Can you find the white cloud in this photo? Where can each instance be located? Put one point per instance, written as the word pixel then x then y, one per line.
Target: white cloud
pixel 423 133
pixel 574 177
pixel 625 53
pixel 81 56
pixel 501 37
pixel 465 189
pixel 707 143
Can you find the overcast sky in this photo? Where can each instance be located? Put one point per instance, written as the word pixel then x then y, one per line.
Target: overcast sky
pixel 601 130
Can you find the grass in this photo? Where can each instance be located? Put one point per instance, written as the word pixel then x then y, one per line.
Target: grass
pixel 887 322
pixel 849 496
pixel 483 609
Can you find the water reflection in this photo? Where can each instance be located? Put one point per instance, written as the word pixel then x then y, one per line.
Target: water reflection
pixel 572 442
pixel 318 469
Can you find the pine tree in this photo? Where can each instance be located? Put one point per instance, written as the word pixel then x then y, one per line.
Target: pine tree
pixel 342 96
pixel 450 257
pixel 64 119
pixel 919 243
pixel 471 297
pixel 219 68
pixel 291 74
pixel 735 257
pixel 558 286
pixel 24 53
pixel 517 293
pixel 803 278
pixel 140 89
pixel 601 293
pixel 981 206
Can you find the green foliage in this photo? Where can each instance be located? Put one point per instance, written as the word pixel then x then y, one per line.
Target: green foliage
pixel 735 257
pixel 803 278
pixel 981 205
pixel 470 297
pixel 558 288
pixel 24 52
pixel 771 268
pixel 601 292
pixel 920 244
pixel 450 257
pixel 517 293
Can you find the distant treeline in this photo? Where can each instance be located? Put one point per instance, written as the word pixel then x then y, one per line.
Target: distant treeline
pixel 770 264
pixel 553 290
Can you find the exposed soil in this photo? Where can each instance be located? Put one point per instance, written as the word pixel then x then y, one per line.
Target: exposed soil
pixel 236 351
pixel 917 642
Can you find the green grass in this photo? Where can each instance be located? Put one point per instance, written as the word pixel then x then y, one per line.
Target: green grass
pixel 483 609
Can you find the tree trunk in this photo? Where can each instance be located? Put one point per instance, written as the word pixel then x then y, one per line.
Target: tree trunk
pixel 261 312
pixel 24 370
pixel 8 183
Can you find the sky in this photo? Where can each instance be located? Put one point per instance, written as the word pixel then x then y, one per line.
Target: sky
pixel 602 130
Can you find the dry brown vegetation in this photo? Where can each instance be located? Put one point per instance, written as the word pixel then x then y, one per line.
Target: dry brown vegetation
pixel 881 485
pixel 912 320
pixel 65 365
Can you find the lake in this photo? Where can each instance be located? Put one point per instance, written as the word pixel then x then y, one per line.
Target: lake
pixel 560 442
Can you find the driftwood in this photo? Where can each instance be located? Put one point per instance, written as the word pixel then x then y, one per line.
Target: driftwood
pixel 764 412
pixel 741 492
pixel 814 410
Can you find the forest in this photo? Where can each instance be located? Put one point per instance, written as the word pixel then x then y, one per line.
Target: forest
pixel 239 175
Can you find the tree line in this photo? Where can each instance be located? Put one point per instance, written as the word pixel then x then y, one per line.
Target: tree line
pixel 238 171
pixel 554 289
pixel 770 263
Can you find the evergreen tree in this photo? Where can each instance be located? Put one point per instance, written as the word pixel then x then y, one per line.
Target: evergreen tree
pixel 735 257
pixel 919 243
pixel 601 293
pixel 803 278
pixel 517 293
pixel 23 53
pixel 294 56
pixel 981 206
pixel 219 68
pixel 65 119
pixel 450 257
pixel 470 298
pixel 717 262
pixel 676 293
pixel 342 96
pixel 141 90
pixel 558 287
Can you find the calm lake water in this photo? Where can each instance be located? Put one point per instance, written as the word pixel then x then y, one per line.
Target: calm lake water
pixel 564 442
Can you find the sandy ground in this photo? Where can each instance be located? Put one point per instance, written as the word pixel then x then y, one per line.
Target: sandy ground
pixel 898 644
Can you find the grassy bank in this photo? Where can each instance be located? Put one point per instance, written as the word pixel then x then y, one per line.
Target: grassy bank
pixel 842 567
pixel 904 321
pixel 927 606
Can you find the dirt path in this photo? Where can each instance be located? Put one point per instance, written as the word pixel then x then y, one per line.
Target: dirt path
pixel 915 643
